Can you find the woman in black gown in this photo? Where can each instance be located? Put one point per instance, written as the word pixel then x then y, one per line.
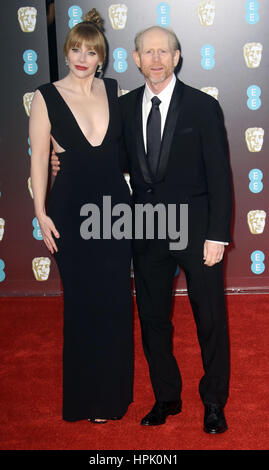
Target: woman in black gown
pixel 80 115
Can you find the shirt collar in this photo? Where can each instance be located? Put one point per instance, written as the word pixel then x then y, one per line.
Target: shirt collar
pixel 164 95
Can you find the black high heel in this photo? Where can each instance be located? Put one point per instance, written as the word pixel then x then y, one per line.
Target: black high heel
pixel 95 420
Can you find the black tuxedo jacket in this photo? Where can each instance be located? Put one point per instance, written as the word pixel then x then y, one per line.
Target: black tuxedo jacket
pixel 193 164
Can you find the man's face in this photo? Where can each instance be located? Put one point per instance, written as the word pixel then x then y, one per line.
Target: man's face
pixel 156 58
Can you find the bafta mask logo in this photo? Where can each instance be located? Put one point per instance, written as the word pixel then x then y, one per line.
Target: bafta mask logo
pixel 206 12
pixel 256 221
pixel 118 15
pixel 254 138
pixel 29 184
pixel 253 54
pixel 2 228
pixel 41 268
pixel 27 19
pixel 27 101
pixel 211 90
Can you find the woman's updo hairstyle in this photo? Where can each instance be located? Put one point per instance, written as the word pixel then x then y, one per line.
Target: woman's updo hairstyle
pixel 89 32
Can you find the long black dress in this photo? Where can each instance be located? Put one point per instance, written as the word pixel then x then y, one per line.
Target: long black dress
pixel 98 342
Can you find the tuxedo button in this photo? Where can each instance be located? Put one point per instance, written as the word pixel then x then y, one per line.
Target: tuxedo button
pixel 150 190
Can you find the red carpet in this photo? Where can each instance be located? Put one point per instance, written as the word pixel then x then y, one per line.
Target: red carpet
pixel 30 394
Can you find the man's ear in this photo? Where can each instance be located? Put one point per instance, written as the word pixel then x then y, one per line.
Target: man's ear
pixel 176 57
pixel 136 58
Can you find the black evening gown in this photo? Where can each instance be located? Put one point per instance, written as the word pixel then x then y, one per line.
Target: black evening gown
pixel 95 272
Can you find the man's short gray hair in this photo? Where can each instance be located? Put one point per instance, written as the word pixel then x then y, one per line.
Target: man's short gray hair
pixel 174 42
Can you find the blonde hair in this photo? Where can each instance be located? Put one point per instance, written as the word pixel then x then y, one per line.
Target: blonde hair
pixel 89 31
pixel 173 40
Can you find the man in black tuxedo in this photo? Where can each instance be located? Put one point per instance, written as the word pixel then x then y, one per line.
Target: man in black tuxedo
pixel 177 154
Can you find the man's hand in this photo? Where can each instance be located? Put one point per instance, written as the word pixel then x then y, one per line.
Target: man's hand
pixel 213 253
pixel 55 163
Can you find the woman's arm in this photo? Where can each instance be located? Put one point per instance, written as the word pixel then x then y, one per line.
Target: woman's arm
pixel 39 132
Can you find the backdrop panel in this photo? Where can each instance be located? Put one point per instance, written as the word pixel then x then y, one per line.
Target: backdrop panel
pixel 224 51
pixel 26 266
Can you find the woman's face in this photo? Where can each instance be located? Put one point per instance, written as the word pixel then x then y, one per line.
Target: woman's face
pixel 83 61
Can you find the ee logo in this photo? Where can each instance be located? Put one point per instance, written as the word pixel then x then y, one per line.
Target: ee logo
pixel 207 53
pixel 30 65
pixel 254 93
pixel 252 15
pixel 177 271
pixel 36 232
pixel 2 272
pixel 163 10
pixel 255 177
pixel 257 258
pixel 75 15
pixel 29 149
pixel 120 56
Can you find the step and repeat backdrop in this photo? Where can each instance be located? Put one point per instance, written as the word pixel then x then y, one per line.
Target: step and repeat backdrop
pixel 224 48
pixel 25 264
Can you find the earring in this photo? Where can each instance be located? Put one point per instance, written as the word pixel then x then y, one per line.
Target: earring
pixel 99 68
pixel 66 61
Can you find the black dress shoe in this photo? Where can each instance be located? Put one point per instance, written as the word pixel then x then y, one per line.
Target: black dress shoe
pixel 214 420
pixel 160 411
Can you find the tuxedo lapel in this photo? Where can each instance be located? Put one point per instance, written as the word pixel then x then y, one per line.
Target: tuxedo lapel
pixel 169 129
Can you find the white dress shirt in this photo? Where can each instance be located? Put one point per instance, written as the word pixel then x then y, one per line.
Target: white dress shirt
pixel 165 98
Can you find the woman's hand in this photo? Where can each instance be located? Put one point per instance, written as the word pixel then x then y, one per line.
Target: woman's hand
pixel 48 229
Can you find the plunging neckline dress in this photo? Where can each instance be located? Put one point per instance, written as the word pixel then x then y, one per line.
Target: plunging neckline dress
pixel 95 272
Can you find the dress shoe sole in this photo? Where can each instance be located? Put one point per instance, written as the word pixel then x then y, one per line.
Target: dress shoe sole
pixel 214 431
